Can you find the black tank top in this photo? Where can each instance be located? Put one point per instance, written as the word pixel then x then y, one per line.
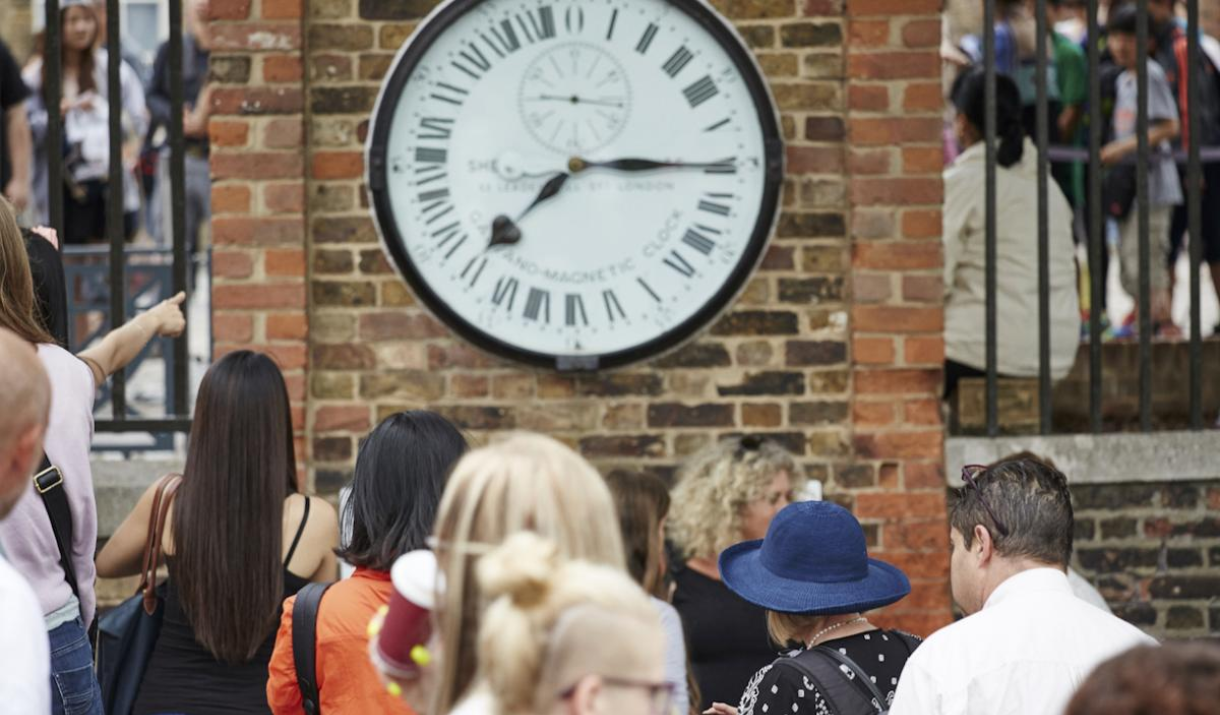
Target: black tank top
pixel 183 677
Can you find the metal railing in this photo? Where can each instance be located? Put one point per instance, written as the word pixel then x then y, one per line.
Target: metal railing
pixel 1095 239
pixel 120 305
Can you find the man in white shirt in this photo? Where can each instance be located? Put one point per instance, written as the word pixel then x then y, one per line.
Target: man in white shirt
pixel 1028 641
pixel 25 403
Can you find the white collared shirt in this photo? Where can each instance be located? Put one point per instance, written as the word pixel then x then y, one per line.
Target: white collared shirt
pixel 1025 653
pixel 25 656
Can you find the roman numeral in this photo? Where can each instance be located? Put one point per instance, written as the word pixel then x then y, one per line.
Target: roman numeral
pixel 717 125
pixel 649 33
pixel 724 166
pixel 612 305
pixel 644 284
pixel 507 36
pixel 713 207
pixel 574 309
pixel 452 95
pixel 478 62
pixel 456 246
pixel 428 197
pixel 698 241
pixel 543 24
pixel 613 19
pixel 679 264
pixel 430 155
pixel 436 127
pixel 677 61
pixel 474 278
pixel 446 232
pixel 538 302
pixel 701 91
pixel 506 288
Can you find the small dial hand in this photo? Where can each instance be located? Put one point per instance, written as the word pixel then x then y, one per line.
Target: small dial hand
pixel 576 99
pixel 504 230
pixel 511 166
pixel 577 165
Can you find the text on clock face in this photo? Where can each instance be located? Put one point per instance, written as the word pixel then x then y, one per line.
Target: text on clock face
pixel 574 176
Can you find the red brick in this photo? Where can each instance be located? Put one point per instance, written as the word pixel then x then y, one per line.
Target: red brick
pixel 895 319
pixel 897 255
pixel 400 326
pixel 1213 498
pixel 887 131
pixel 284 198
pixel 872 351
pixel 812 160
pixel 923 475
pixel 257 165
pixel 284 134
pixel 870 287
pixel 921 33
pixel 287 326
pixel 876 161
pixel 295 385
pixel 231 264
pixel 922 223
pixel 893 65
pixel 284 262
pixel 228 133
pixel 230 199
pixel 927 444
pixel 468 386
pixel 255 296
pixel 923 97
pixel 872 223
pixel 228 9
pixel 341 418
pixel 920 565
pixel 866 415
pixel 900 505
pixel 281 9
pixel 281 68
pixel 288 357
pixel 812 8
pixel 868 98
pixel 924 413
pixel 923 350
pixel 923 159
pixel 230 328
pixel 897 382
pixel 255 36
pixel 923 289
pixel 868 33
pixel 256 101
pixel 921 623
pixel 862 8
pixel 901 192
pixel 245 231
pixel 338 165
pixel 915 536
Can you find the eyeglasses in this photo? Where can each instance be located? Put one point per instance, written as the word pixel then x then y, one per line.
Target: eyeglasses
pixel 970 474
pixel 748 443
pixel 660 695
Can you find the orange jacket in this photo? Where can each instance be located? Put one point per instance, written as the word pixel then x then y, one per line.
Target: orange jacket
pixel 347 682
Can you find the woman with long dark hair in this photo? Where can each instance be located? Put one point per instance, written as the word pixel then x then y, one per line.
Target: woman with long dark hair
pixel 239 539
pixel 400 475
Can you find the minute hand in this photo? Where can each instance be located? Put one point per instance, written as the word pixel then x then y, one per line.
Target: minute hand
pixel 577 165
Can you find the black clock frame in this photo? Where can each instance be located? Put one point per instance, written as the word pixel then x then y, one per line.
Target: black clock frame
pixel 437 22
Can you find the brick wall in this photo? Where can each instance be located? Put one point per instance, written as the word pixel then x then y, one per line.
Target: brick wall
pixel 1153 550
pixel 833 348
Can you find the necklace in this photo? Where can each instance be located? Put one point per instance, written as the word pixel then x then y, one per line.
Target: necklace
pixel 818 636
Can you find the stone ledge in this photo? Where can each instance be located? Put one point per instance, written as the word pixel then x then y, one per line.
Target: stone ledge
pixel 1099 459
pixel 118 485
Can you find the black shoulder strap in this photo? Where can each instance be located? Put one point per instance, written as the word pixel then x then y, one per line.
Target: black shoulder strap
pixel 304 644
pixel 835 676
pixel 296 540
pixel 49 483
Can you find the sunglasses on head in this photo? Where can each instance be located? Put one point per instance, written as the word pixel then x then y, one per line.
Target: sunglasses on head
pixel 748 443
pixel 971 473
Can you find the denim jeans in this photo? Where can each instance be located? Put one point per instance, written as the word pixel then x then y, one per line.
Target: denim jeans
pixel 74 688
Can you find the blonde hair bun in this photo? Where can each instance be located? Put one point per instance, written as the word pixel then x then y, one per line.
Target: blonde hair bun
pixel 521 569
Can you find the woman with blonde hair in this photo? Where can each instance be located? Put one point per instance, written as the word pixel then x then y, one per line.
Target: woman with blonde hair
pixel 523 482
pixel 725 494
pixel 569 637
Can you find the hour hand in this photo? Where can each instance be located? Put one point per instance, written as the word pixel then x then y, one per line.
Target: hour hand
pixel 504 230
pixel 577 164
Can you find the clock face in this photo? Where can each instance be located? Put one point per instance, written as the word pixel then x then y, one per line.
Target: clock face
pixel 578 183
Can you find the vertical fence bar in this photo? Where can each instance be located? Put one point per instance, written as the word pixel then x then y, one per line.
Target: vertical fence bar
pixel 52 93
pixel 114 199
pixel 1096 273
pixel 177 172
pixel 1142 199
pixel 989 134
pixel 1044 276
pixel 1194 209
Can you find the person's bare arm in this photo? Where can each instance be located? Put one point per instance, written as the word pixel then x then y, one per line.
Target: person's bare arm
pixel 1158 131
pixel 1069 120
pixel 123 344
pixel 123 554
pixel 20 154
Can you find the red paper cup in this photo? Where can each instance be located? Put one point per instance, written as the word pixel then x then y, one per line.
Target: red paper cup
pixel 408 624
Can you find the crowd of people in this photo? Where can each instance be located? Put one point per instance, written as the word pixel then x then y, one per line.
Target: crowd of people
pixel 84 112
pixel 1167 67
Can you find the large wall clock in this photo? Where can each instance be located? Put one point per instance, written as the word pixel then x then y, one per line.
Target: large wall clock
pixel 575 184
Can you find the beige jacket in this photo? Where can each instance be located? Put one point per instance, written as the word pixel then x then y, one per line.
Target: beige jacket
pixel 1017 267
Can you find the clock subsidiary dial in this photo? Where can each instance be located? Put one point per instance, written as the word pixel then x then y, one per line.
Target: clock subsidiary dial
pixel 577 183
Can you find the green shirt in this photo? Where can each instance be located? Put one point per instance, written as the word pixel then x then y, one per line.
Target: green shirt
pixel 1071 71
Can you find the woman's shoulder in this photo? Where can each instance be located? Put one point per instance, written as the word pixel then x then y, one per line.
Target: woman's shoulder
pixel 322 515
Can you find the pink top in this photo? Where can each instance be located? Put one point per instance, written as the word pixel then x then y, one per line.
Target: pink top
pixel 26 534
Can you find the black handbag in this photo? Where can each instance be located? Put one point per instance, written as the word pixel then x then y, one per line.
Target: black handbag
pixel 127 634
pixel 1118 190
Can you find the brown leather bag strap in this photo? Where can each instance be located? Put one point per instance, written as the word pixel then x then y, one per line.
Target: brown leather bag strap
pixel 162 501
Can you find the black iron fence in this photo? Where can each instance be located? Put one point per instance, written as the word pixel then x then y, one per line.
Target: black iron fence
pixel 1193 155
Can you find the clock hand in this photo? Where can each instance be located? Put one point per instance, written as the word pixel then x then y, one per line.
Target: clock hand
pixel 504 230
pixel 577 165
pixel 510 166
pixel 575 99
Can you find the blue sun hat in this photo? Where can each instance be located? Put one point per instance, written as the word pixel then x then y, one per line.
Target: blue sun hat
pixel 813 561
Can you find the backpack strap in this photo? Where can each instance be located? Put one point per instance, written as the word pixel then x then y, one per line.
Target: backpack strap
pixel 304 644
pixel 835 681
pixel 853 671
pixel 49 483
